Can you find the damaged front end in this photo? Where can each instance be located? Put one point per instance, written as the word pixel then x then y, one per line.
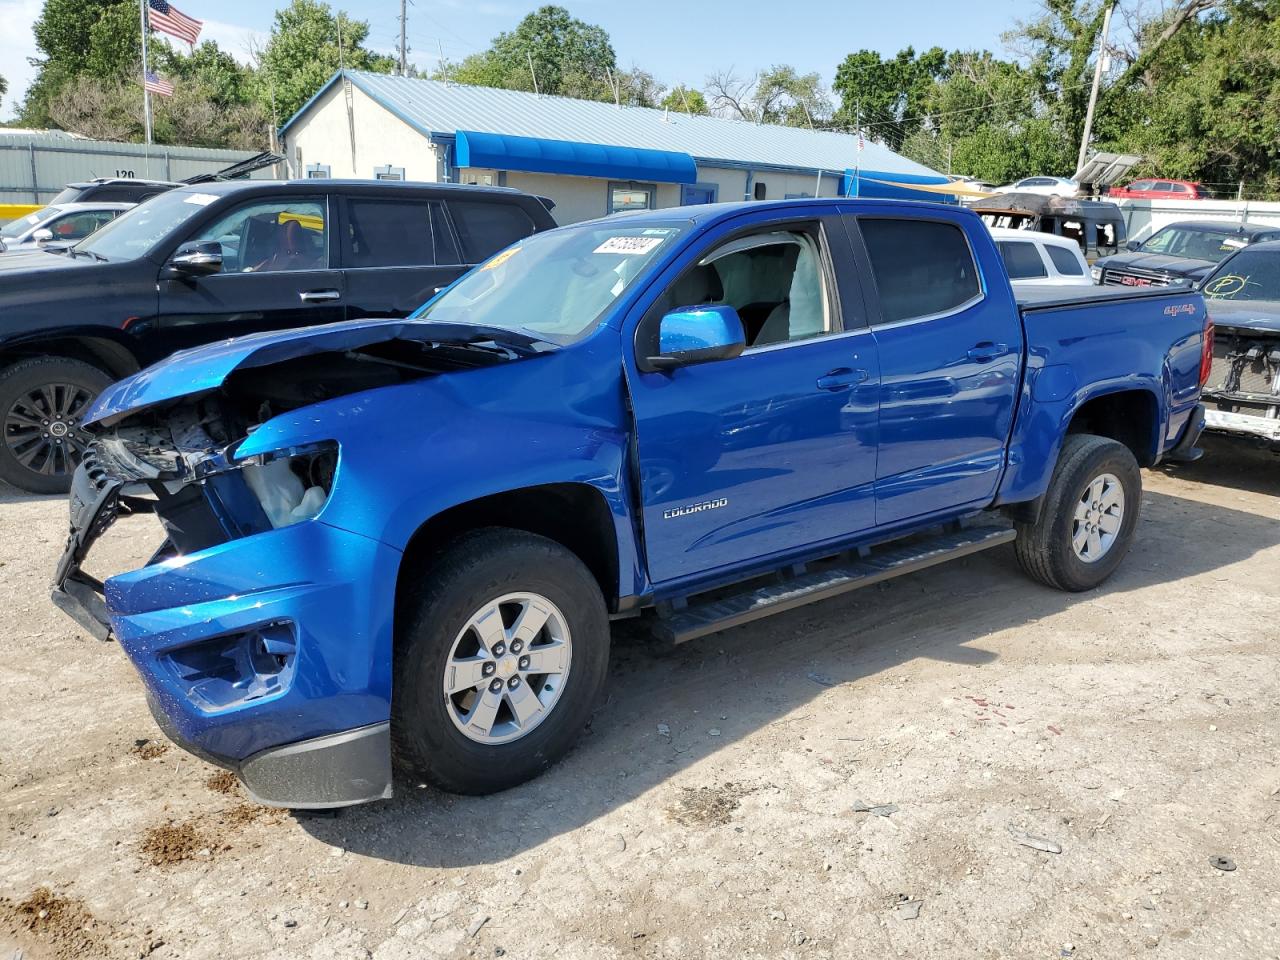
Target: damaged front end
pixel 1242 395
pixel 262 633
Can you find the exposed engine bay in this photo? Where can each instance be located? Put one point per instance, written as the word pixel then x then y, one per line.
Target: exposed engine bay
pixel 1242 394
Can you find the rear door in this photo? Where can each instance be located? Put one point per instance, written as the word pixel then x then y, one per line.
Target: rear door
pixel 276 273
pixel 949 343
pixel 396 254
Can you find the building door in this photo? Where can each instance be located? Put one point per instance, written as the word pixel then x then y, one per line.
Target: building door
pixel 692 193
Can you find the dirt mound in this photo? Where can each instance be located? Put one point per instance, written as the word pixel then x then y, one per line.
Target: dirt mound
pixel 172 843
pixel 224 782
pixel 62 924
pixel 149 749
pixel 707 806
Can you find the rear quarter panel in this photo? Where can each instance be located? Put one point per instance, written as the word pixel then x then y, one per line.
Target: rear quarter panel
pixel 1078 352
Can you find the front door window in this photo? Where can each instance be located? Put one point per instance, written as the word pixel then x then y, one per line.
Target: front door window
pixel 272 236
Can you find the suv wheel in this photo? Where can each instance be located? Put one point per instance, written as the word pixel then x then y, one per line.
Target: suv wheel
pixel 42 402
pixel 1088 518
pixel 503 656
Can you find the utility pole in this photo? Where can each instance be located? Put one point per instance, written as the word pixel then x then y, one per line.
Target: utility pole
pixel 146 94
pixel 1097 81
pixel 404 25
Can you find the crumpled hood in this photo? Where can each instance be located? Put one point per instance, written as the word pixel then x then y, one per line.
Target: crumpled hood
pixel 202 369
pixel 1245 314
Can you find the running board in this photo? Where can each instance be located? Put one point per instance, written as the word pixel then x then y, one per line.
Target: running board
pixel 880 564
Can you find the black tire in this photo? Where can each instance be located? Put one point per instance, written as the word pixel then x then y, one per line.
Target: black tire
pixel 477 569
pixel 50 460
pixel 1044 548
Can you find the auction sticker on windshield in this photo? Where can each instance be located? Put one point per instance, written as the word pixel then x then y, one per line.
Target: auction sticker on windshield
pixel 201 199
pixel 501 258
pixel 633 246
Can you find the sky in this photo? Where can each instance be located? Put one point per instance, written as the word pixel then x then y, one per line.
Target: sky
pixel 678 41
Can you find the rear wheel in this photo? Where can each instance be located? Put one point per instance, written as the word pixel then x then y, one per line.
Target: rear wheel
pixel 1088 518
pixel 42 403
pixel 503 655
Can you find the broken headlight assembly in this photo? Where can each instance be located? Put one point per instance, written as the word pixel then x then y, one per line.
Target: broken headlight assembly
pixel 291 485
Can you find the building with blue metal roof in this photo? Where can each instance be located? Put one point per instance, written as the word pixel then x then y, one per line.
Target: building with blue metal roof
pixel 591 158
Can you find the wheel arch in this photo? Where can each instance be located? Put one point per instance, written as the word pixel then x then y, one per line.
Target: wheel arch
pixel 1130 416
pixel 575 515
pixel 108 354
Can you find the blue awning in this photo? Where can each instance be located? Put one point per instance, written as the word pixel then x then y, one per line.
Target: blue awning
pixel 872 184
pixel 500 151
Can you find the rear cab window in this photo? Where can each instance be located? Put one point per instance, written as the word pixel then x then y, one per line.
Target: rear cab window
pixel 487 226
pixel 922 268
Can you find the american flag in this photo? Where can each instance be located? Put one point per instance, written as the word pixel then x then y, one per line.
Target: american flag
pixel 155 84
pixel 165 17
pixel 861 143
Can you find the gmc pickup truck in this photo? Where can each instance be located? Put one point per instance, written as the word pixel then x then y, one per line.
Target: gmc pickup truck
pixel 399 543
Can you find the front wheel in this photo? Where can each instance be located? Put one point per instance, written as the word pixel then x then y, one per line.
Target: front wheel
pixel 1088 518
pixel 503 655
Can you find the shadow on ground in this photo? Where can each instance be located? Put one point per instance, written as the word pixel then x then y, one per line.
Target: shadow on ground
pixel 754 675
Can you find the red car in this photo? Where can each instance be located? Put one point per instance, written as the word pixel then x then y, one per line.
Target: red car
pixel 1161 190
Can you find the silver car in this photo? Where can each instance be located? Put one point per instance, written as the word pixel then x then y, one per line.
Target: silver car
pixel 58 223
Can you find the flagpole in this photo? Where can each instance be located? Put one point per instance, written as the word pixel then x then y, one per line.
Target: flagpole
pixel 146 94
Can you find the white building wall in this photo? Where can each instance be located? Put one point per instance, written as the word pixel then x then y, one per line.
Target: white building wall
pixel 1145 217
pixel 323 136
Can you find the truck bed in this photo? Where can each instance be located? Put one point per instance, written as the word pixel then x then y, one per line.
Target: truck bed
pixel 1031 297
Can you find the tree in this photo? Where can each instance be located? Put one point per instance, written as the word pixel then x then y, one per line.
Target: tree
pixel 778 95
pixel 303 52
pixel 887 96
pixel 683 100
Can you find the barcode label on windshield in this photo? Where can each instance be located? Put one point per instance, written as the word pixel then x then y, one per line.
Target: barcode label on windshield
pixel 629 245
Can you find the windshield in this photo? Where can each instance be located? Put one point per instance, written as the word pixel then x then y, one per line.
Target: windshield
pixel 1250 275
pixel 1194 244
pixel 554 285
pixel 18 227
pixel 134 233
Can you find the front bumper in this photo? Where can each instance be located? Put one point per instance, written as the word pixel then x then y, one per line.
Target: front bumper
pixel 268 654
pixel 1244 424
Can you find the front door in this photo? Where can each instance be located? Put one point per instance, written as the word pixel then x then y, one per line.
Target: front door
pixel 772 452
pixel 949 365
pixel 275 274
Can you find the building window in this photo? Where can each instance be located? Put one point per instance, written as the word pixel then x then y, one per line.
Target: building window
pixel 388 173
pixel 632 196
pixel 317 171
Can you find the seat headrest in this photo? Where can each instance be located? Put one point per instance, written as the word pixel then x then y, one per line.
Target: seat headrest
pixel 700 285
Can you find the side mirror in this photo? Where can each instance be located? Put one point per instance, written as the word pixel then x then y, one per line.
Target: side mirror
pixel 196 259
pixel 1133 245
pixel 43 235
pixel 690 335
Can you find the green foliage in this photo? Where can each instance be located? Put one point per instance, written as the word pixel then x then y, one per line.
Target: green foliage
pixel 887 95
pixel 303 52
pixel 569 58
pixel 681 99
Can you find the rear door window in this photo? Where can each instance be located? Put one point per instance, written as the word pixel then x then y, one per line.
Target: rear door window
pixel 394 233
pixel 1065 261
pixel 1022 260
pixel 921 267
pixel 485 227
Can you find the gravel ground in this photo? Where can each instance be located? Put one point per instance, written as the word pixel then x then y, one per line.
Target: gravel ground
pixel 713 807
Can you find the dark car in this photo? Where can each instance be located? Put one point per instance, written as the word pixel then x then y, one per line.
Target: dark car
pixel 1183 252
pixel 1096 225
pixel 1242 396
pixel 208 261
pixel 112 190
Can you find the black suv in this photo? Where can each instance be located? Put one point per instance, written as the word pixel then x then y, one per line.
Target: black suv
pixel 112 190
pixel 1183 252
pixel 207 261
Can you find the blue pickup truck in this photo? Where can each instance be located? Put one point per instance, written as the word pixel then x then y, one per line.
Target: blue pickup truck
pixel 399 543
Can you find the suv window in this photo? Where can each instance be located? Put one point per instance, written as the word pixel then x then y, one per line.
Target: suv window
pixel 921 267
pixel 1164 186
pixel 1022 260
pixel 486 227
pixel 272 236
pixel 393 233
pixel 1065 262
